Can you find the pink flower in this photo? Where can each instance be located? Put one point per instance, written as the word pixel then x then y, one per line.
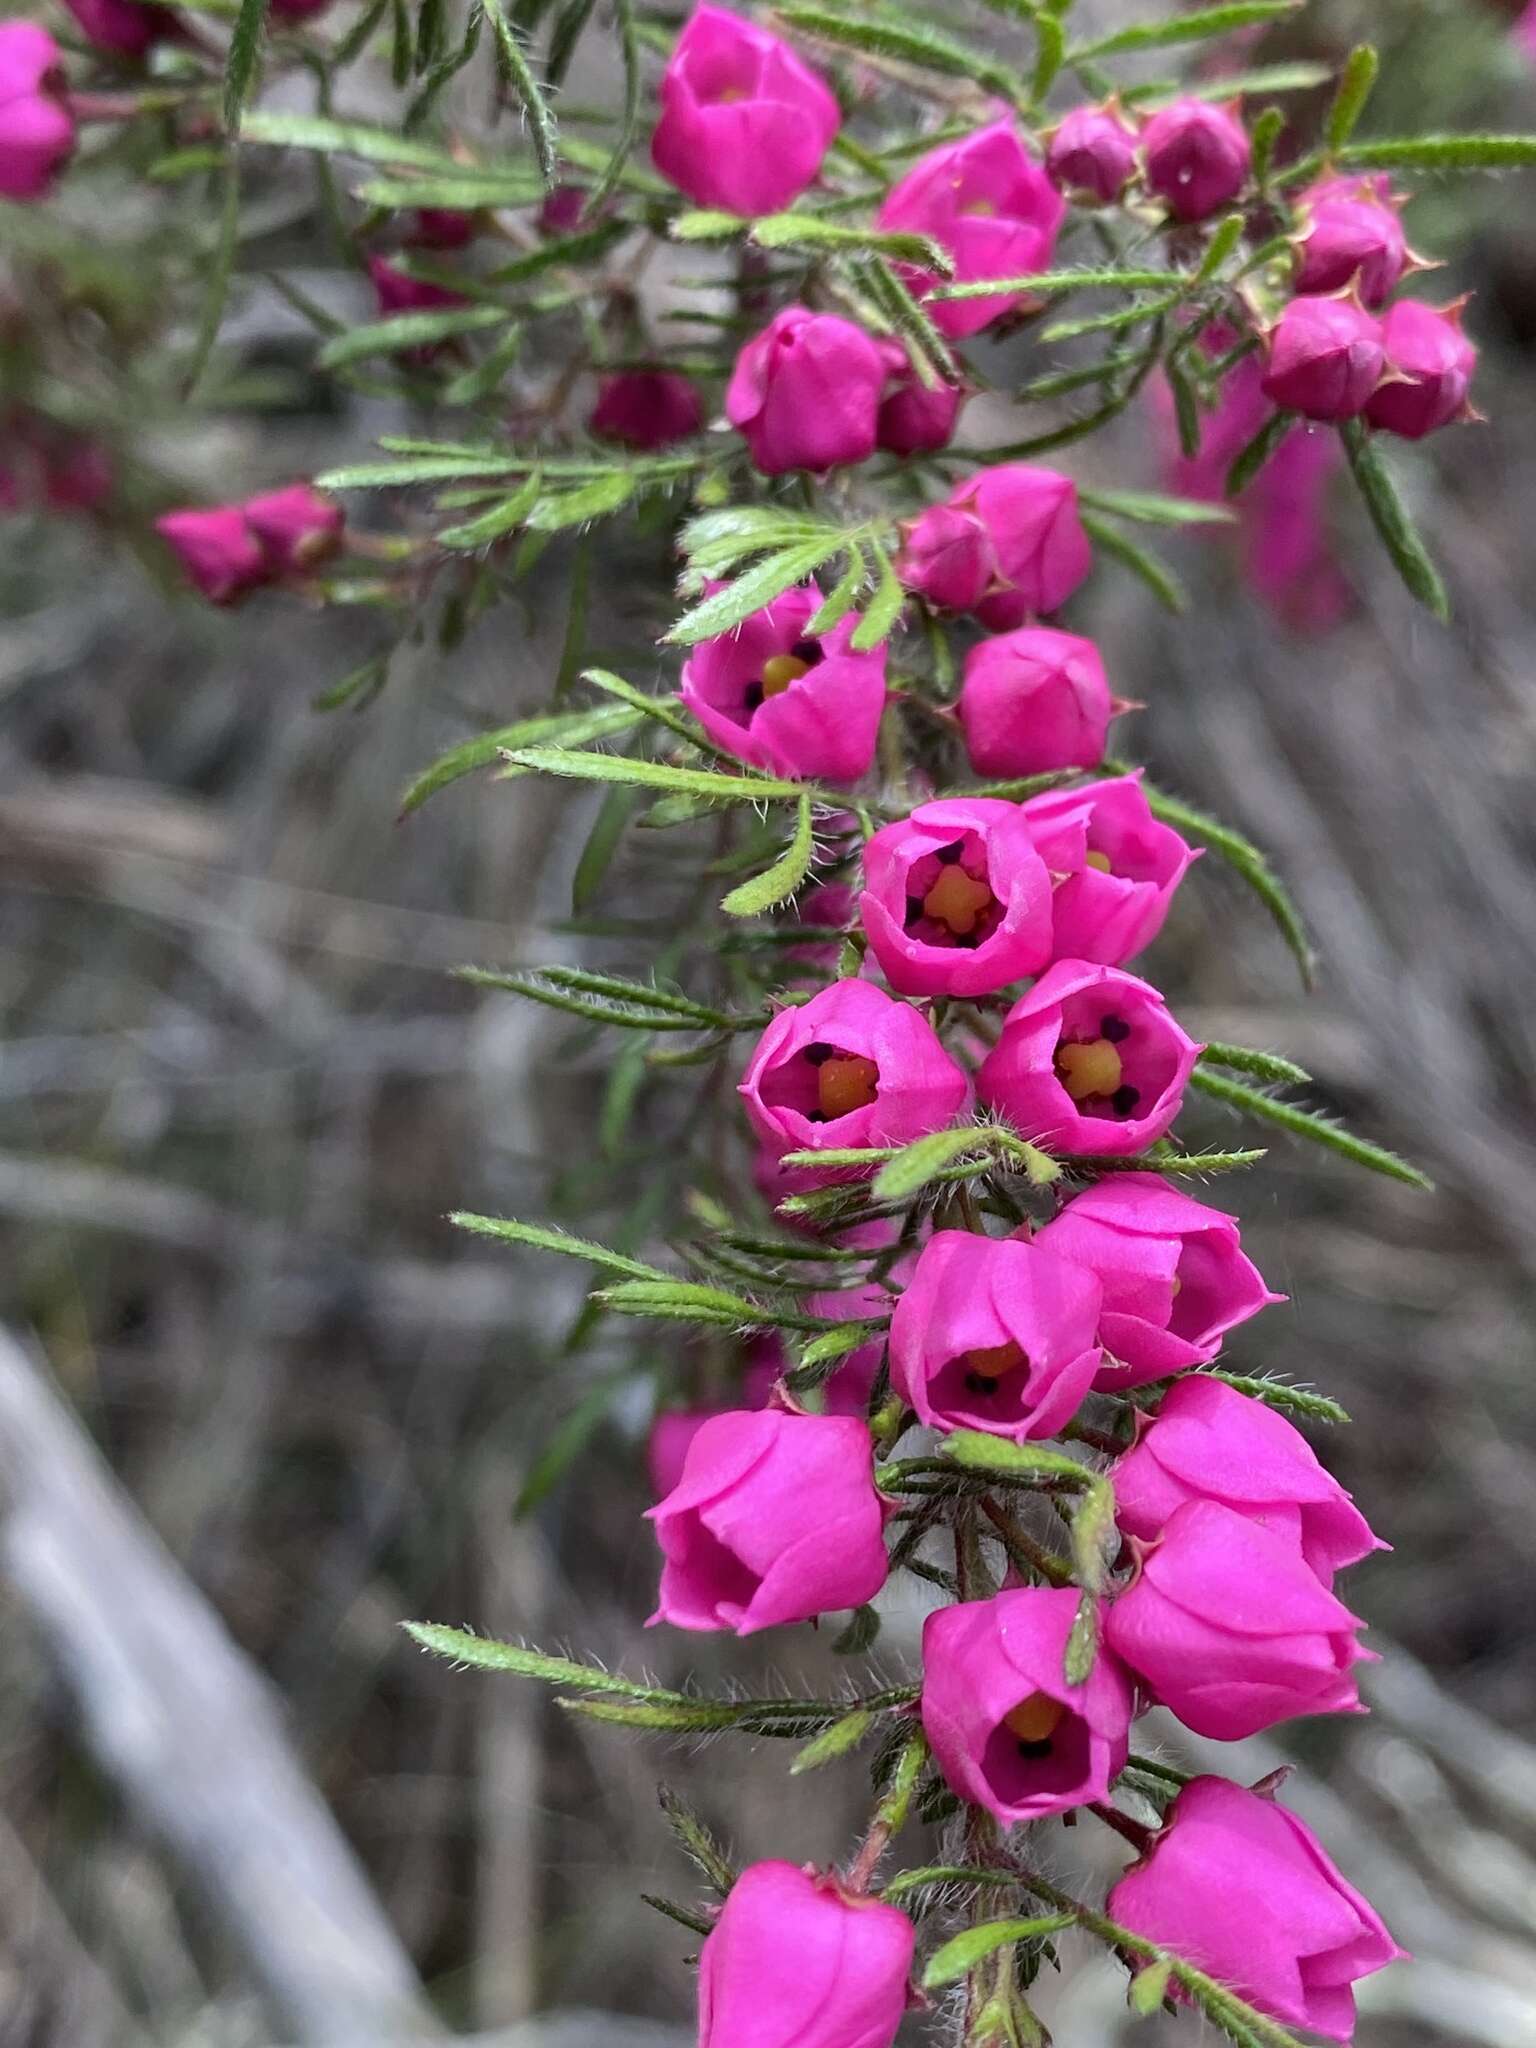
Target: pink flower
pixel 1325 358
pixel 785 702
pixel 1174 1275
pixel 995 1334
pixel 1209 1442
pixel 444 227
pixel 1119 867
pixel 647 409
pixel 561 210
pixel 1033 700
pixel 37 132
pixel 398 293
pixel 1350 235
pixel 794 1962
pixel 1092 153
pixel 828 904
pixel 852 1067
pixel 1243 1890
pixel 1008 1731
pixel 1429 364
pixel 1230 1628
pixel 296 11
pixel 957 902
pixel 914 419
pixel 297 527
pixel 1089 1061
pixel 126 27
pixel 1525 30
pixel 667 1446
pixel 806 392
pixel 775 1520
pixel 217 549
pixel 986 201
pixel 1196 156
pixel 847 1392
pixel 744 123
pixel 1003 544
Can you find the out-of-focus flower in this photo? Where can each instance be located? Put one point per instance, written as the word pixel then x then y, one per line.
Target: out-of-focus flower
pixel 217 549
pixel 1429 370
pixel 647 409
pixel 37 130
pixel 1092 153
pixel 1197 157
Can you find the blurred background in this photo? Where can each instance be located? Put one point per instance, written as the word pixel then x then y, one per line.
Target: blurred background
pixel 259 1402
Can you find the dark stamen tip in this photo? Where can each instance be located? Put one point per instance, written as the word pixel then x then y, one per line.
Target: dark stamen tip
pixel 1124 1100
pixel 1115 1029
pixel 976 1383
pixel 818 1054
pixel 752 696
pixel 1033 1751
pixel 950 854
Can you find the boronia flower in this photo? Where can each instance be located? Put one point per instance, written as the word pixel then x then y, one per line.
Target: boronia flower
pixel 128 28
pixel 37 130
pixel 1244 1890
pixel 1003 544
pixel 1197 157
pixel 1116 868
pixel 647 409
pixel 914 418
pixel 794 1961
pixel 805 393
pixel 775 1520
pixel 1092 154
pixel 1326 357
pixel 217 549
pixel 1429 364
pixel 995 1334
pixel 1034 700
pixel 297 527
pixel 1350 235
pixel 1010 1734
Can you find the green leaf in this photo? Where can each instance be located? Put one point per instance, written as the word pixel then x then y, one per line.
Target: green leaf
pixel 1183 28
pixel 698 1843
pixel 1390 515
pixel 654 775
pixel 834 1742
pixel 1281 1394
pixel 567 1442
pixel 220 271
pixel 604 998
pixel 840 599
pixel 684 1301
pixel 1048 283
pixel 629 114
pixel 602 843
pixel 574 250
pixel 488 747
pixel 1151 508
pixel 419 469
pixel 1050 53
pixel 518 73
pixel 1242 1059
pixel 926 48
pixel 595 500
pixel 964 1874
pixel 1440 153
pixel 463 1647
pixel 1095 1539
pixel 496 524
pixel 820 1358
pixel 463 189
pixel 1265 136
pixel 1225 239
pixel 359 687
pixel 707 224
pixel 662 710
pixel 1356 81
pixel 755 588
pixel 809 231
pixel 1308 1123
pixel 918 1163
pixel 671 1910
pixel 883 609
pixel 1152 571
pixel 346 138
pixel 1082 1642
pixel 775 884
pixel 1254 453
pixel 960 1955
pixel 858 1638
pixel 544 1237
pixel 402 331
pixel 922 339
pixel 244 56
pixel 1149 1987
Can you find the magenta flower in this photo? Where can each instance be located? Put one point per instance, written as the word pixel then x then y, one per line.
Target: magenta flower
pixel 847 1392
pixel 1429 370
pixel 667 1446
pixel 217 549
pixel 1209 1442
pixel 1174 1274
pixel 795 1962
pixel 1003 544
pixel 1092 154
pixel 744 123
pixel 783 701
pixel 397 293
pixel 914 419
pixel 1008 1731
pixel 37 131
pixel 995 1334
pixel 1089 1061
pixel 1118 868
pixel 988 203
pixel 444 227
pixel 126 27
pixel 1196 157
pixel 828 904
pixel 561 209
pixel 806 392
pixel 647 409
pixel 775 1520
pixel 297 528
pixel 956 901
pixel 293 12
pixel 1033 700
pixel 1350 236
pixel 1229 1627
pixel 1242 1889
pixel 1325 358
pixel 852 1067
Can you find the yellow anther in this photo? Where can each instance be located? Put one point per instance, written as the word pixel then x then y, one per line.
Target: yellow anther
pixel 957 899
pixel 846 1083
pixel 1035 1719
pixel 992 1363
pixel 1101 862
pixel 779 671
pixel 1091 1069
pixel 980 208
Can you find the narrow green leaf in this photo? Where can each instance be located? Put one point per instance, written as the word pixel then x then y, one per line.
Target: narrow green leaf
pixel 669 1908
pixel 462 1647
pixel 809 231
pixel 707 224
pixel 496 524
pixel 518 73
pixel 1391 518
pixel 975 1452
pixel 840 600
pixel 1356 81
pixel 960 1955
pixel 567 1443
pixel 602 843
pixel 1281 1394
pixel 661 709
pixel 616 167
pixel 1182 28
pixel 359 687
pixel 1265 137
pixel 1440 153
pixel 1255 452
pixel 1094 1536
pixel 775 884
pixel 924 344
pixel 487 748
pixel 685 1717
pixel 598 499
pixel 883 609
pixel 915 1165
pixel 834 1742
pixel 346 138
pixel 417 469
pixel 683 1301
pixel 755 588
pixel 1149 1987
pixel 1242 1059
pixel 1153 572
pixel 1151 508
pixel 1050 53
pixel 573 250
pixel 654 775
pixel 909 43
pixel 1308 1123
pixel 1049 283
pixel 242 60
pixel 544 1237
pixel 698 1843
pixel 642 1002
pixel 1223 241
pixel 1082 1642
pixel 220 271
pixel 403 331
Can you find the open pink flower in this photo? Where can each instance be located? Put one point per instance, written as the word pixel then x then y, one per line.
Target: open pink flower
pixel 796 706
pixel 297 527
pixel 1092 154
pixel 1174 1274
pixel 995 1334
pixel 1350 236
pixel 852 1067
pixel 987 202
pixel 1326 357
pixel 647 409
pixel 1003 544
pixel 217 549
pixel 1209 1442
pixel 1196 156
pixel 795 1962
pixel 126 27
pixel 805 393
pixel 1034 700
pixel 1008 1731
pixel 1430 364
pixel 37 131
pixel 957 902
pixel 744 122
pixel 1230 1628
pixel 775 1520
pixel 1089 1061
pixel 1118 868
pixel 1243 1890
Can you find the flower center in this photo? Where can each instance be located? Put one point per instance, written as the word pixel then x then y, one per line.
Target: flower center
pixel 1092 1070
pixel 1033 1722
pixel 957 900
pixel 780 670
pixel 1100 861
pixel 980 208
pixel 844 1082
pixel 984 1368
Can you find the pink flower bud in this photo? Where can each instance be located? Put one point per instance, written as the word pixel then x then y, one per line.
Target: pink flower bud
pixel 744 123
pixel 1118 867
pixel 297 528
pixel 957 902
pixel 805 393
pixel 1430 364
pixel 293 12
pixel 126 27
pixel 1350 235
pixel 443 227
pixel 794 1962
pixel 37 131
pixel 914 419
pixel 785 702
pixel 1209 1442
pixel 1243 1890
pixel 217 549
pixel 775 1520
pixel 1196 156
pixel 1092 153
pixel 1003 544
pixel 995 1334
pixel 1229 1627
pixel 398 293
pixel 1089 1061
pixel 1525 30
pixel 986 201
pixel 561 210
pixel 852 1067
pixel 647 409
pixel 1326 357
pixel 1034 700
pixel 1174 1275
pixel 1008 1731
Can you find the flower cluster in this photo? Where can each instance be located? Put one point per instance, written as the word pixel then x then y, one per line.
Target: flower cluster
pixel 228 551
